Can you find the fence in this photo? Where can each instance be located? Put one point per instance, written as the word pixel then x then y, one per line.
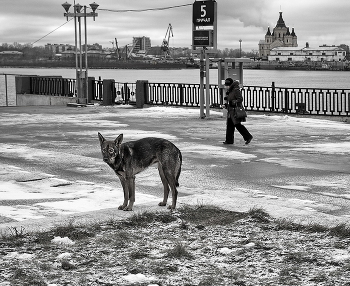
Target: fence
pixel 181 94
pixel 121 92
pixel 314 101
pixel 256 98
pixel 53 86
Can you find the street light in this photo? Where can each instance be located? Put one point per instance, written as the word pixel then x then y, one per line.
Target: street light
pixel 80 75
pixel 240 48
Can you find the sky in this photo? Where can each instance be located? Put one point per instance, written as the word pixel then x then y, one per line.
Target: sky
pixel 315 21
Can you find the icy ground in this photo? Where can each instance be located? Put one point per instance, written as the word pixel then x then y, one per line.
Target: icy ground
pixel 50 162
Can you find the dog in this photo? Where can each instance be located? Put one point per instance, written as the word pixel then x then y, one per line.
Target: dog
pixel 130 158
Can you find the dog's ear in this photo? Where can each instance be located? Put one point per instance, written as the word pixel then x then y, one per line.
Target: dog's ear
pixel 118 140
pixel 102 139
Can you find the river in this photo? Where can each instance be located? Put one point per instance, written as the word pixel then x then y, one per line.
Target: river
pixel 282 78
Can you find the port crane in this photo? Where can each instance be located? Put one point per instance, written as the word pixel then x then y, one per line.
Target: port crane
pixel 116 49
pixel 127 51
pixel 165 44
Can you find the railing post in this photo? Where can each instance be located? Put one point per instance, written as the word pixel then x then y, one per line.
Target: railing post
pixel 141 93
pixel 273 96
pixel 22 84
pixel 90 89
pixel 286 100
pixel 181 92
pixel 7 100
pixel 100 88
pixel 108 85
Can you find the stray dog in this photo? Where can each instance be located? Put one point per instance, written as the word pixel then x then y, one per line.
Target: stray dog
pixel 130 158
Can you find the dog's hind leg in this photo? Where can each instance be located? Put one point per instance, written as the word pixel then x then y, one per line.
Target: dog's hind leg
pixel 174 194
pixel 165 185
pixel 172 182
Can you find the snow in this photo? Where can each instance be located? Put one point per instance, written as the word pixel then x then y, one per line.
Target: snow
pixel 215 151
pixel 19 256
pixel 64 256
pixel 138 278
pixel 62 240
pixel 57 196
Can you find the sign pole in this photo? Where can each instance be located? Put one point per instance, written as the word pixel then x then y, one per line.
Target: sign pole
pixel 204 34
pixel 207 89
pixel 201 84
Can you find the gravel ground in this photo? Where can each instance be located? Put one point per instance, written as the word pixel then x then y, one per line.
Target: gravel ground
pixel 194 246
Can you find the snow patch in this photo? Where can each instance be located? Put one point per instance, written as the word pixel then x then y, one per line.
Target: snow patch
pixel 16 255
pixel 138 278
pixel 62 240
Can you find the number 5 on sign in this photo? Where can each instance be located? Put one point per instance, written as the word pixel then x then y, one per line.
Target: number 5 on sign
pixel 203 13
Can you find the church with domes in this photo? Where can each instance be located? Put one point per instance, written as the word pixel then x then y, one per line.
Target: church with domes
pixel 281 36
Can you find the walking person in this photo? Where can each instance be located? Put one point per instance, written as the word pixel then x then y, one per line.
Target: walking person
pixel 234 98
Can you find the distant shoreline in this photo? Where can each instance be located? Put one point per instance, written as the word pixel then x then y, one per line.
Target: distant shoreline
pixel 104 65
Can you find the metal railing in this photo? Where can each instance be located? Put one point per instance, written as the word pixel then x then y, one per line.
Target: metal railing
pixel 181 94
pixel 53 86
pixel 122 92
pixel 313 101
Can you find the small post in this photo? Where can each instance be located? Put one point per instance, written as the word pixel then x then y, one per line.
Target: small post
pixel 90 89
pixel 286 101
pixel 7 101
pixel 181 91
pixel 273 96
pixel 107 92
pixel 207 90
pixel 141 93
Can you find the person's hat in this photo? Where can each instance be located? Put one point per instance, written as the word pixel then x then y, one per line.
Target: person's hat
pixel 228 81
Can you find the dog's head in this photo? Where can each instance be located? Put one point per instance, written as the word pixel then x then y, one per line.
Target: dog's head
pixel 110 149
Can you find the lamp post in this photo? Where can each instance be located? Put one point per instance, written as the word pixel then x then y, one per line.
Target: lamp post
pixel 81 76
pixel 240 48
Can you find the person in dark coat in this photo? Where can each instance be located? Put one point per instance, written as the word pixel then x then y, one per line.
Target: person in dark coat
pixel 234 98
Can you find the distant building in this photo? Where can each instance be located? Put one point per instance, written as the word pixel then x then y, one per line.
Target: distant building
pixel 281 36
pixel 96 47
pixel 141 44
pixel 68 53
pixel 11 54
pixel 56 48
pixel 319 54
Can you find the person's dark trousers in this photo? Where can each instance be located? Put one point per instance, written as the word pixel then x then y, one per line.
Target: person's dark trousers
pixel 230 129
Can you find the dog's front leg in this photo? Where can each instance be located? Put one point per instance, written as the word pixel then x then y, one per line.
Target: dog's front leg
pixel 126 193
pixel 130 186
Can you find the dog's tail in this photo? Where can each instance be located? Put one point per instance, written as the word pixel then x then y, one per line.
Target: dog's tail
pixel 178 169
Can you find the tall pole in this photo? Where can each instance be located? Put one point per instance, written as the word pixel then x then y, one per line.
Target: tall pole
pixel 81 77
pixel 77 84
pixel 80 63
pixel 86 58
pixel 240 48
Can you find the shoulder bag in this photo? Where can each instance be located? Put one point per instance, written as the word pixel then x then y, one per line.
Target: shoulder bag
pixel 240 112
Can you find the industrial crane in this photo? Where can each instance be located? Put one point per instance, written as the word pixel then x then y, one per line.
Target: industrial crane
pixel 116 49
pixel 165 44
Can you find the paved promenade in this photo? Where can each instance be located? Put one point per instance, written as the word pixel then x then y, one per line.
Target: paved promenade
pixel 51 168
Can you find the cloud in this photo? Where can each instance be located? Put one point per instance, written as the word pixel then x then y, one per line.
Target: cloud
pixel 315 21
